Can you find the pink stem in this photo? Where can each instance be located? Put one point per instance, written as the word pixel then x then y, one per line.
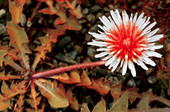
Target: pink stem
pixel 67 68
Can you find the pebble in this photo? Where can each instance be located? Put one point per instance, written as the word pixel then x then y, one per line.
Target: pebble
pixel 2 29
pixel 29 24
pixel 78 48
pixel 85 11
pixel 72 54
pixel 91 51
pixel 23 19
pixel 94 28
pixel 88 38
pixel 64 58
pixel 99 14
pixel 106 9
pixel 2 12
pixel 91 18
pixel 139 5
pixel 111 7
pixel 131 83
pixel 152 79
pixel 64 41
pixel 95 8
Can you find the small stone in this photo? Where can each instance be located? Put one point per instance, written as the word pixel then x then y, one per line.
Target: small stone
pixel 95 8
pixel 69 46
pixel 2 12
pixel 2 29
pixel 88 38
pixel 72 54
pixel 152 79
pixel 84 31
pixel 99 14
pixel 64 58
pixel 64 41
pixel 78 48
pixel 37 42
pixel 23 19
pixel 139 5
pixel 106 9
pixel 81 21
pixel 131 83
pixel 101 71
pixel 111 7
pixel 85 11
pixel 91 51
pixel 29 23
pixel 168 31
pixel 91 18
pixel 94 28
pixel 6 38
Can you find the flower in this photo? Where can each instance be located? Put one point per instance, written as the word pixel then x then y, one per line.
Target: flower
pixel 126 40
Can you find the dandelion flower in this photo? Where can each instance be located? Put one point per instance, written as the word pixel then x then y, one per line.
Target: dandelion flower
pixel 126 40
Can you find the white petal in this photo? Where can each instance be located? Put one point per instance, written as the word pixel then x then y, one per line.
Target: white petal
pixel 145 24
pixel 139 20
pixel 118 15
pixel 130 65
pixel 107 57
pixel 102 49
pixel 149 27
pixel 104 28
pixel 106 22
pixel 153 47
pixel 152 32
pixel 101 54
pixel 110 60
pixel 149 61
pixel 131 16
pixel 124 68
pixel 155 38
pixel 115 18
pixel 153 53
pixel 133 71
pixel 97 36
pixel 125 17
pixel 142 65
pixel 115 64
pixel 112 23
pixel 97 43
pixel 135 17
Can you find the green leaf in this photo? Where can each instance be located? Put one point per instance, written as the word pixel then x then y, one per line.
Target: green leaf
pixel 56 96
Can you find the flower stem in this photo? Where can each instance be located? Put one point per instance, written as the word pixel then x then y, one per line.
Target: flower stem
pixel 64 69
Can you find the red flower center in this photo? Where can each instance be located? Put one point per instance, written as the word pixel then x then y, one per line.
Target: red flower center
pixel 127 41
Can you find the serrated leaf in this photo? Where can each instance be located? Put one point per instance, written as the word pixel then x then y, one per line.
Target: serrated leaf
pixel 49 10
pixel 84 108
pixel 72 100
pixel 61 77
pixel 42 50
pixel 85 81
pixel 36 101
pixel 21 2
pixel 56 97
pixel 15 10
pixel 72 23
pixel 144 103
pixel 116 90
pixel 4 105
pixel 103 87
pixel 2 54
pixel 19 39
pixel 76 11
pixel 62 16
pixel 121 105
pixel 4 88
pixel 100 106
pixel 8 76
pixel 20 103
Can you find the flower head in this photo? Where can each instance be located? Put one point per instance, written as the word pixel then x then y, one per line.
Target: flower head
pixel 126 40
